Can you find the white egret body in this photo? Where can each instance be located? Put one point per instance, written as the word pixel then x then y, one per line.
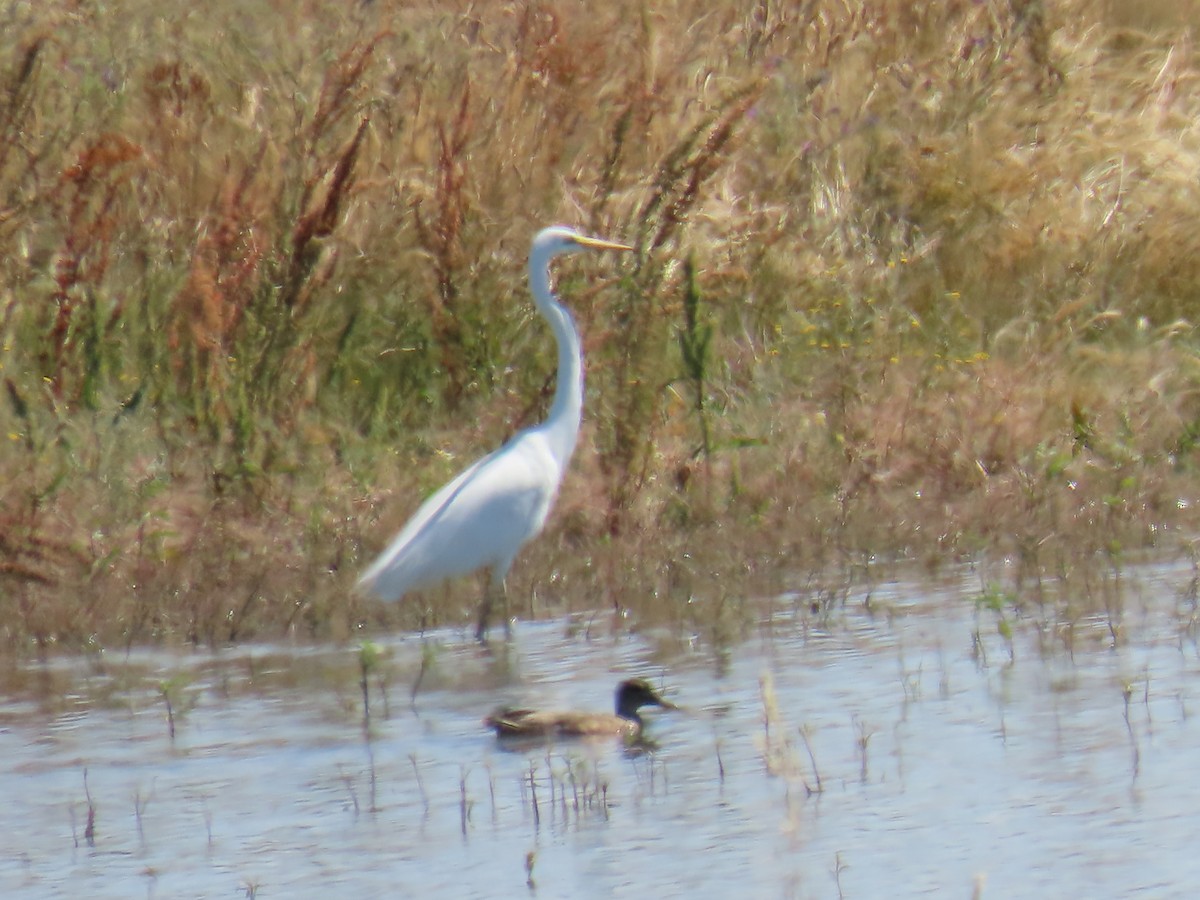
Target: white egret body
pixel 482 518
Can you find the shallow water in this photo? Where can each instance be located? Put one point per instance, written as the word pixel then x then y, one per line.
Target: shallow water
pixel 902 756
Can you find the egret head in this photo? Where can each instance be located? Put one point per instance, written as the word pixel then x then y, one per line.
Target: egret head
pixel 559 239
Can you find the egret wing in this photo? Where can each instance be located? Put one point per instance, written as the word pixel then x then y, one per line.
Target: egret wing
pixel 479 519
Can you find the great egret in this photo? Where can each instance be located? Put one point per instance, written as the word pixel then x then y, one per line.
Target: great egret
pixel 483 517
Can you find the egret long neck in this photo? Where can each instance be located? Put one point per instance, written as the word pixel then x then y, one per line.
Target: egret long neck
pixel 562 424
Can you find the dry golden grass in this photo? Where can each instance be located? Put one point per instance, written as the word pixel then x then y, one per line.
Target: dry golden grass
pixel 913 280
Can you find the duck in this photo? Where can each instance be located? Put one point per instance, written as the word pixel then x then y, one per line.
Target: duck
pixel 631 696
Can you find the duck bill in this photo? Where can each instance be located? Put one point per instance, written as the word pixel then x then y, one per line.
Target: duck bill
pixel 601 244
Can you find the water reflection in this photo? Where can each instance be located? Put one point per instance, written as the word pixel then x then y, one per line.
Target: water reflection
pixel 913 747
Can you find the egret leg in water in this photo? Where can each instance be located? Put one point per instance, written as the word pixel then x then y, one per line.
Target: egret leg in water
pixel 481 519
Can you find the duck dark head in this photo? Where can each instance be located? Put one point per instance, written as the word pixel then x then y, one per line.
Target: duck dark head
pixel 635 693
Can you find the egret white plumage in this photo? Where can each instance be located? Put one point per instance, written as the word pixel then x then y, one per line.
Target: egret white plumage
pixel 482 518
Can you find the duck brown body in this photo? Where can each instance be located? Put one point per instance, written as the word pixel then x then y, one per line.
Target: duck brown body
pixel 625 722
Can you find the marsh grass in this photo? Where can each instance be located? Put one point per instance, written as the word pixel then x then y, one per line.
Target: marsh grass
pixel 911 281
